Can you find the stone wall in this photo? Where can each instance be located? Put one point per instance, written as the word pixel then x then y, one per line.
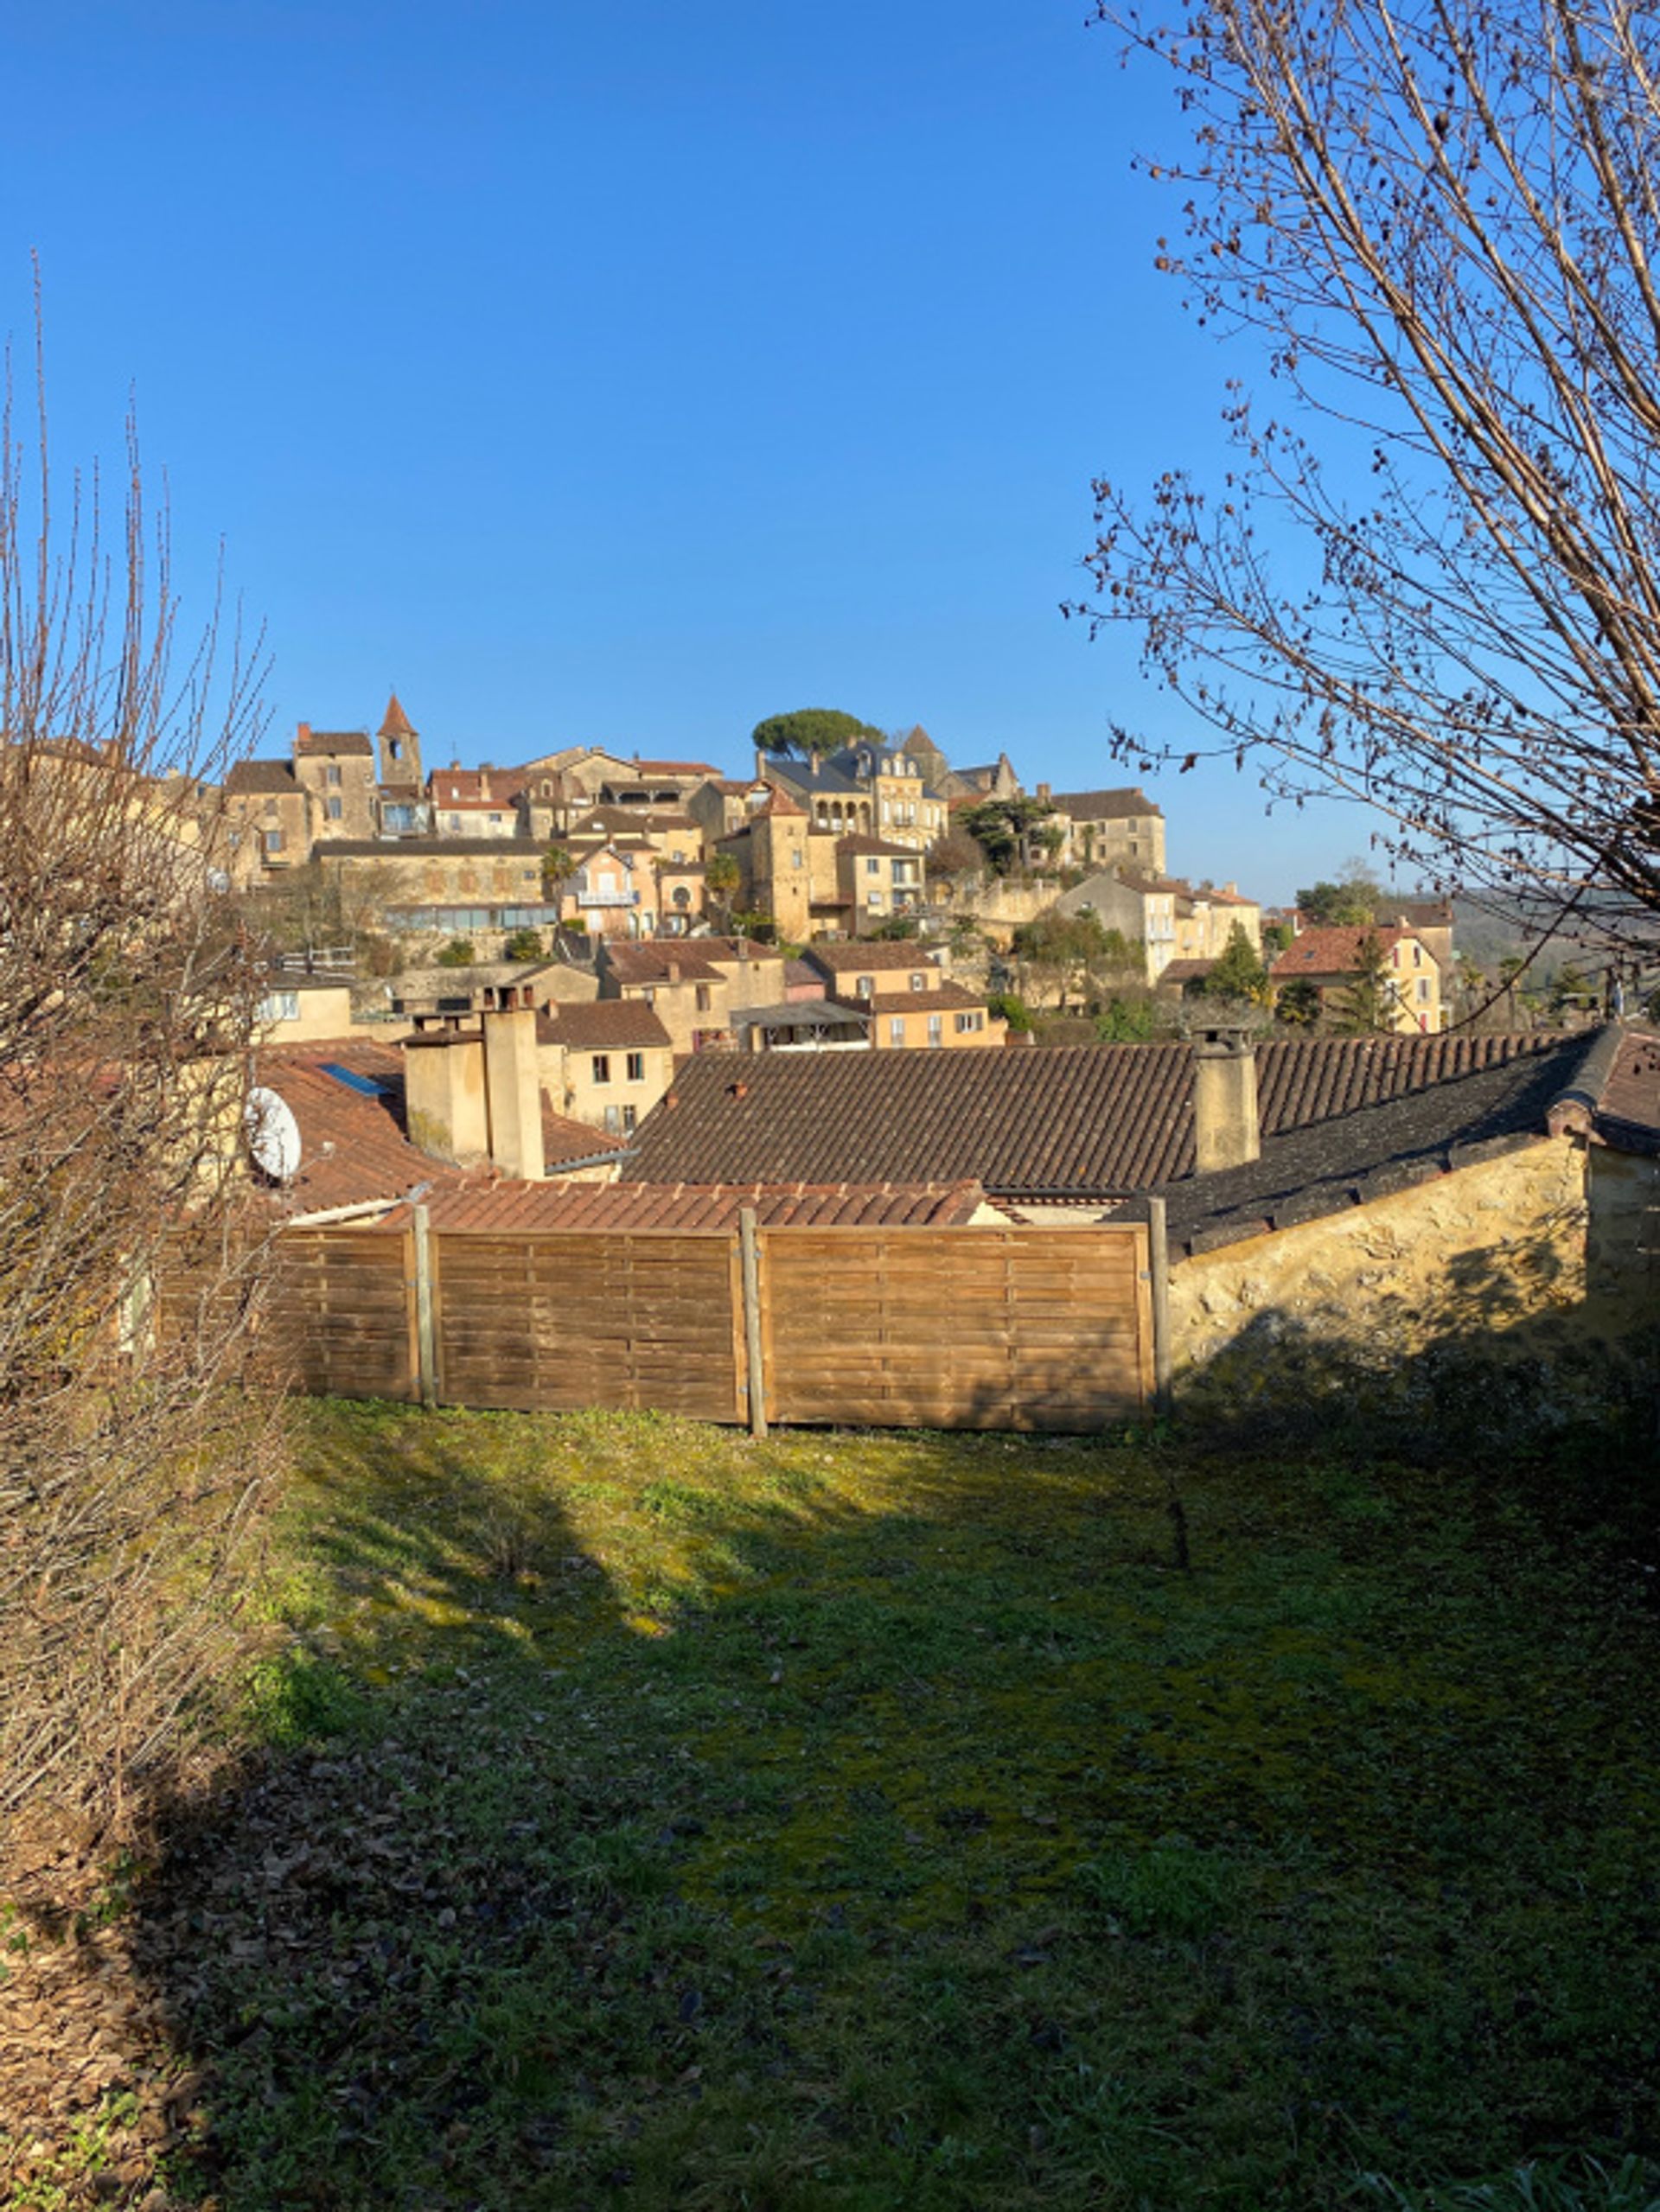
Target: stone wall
pixel 1515 1288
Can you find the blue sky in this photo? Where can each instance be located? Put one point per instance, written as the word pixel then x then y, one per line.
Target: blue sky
pixel 631 373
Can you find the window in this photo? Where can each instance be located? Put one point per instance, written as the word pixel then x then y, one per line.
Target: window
pixel 273 840
pixel 866 986
pixel 637 1066
pixel 704 999
pixel 968 1024
pixel 613 1121
pixel 897 1030
pixel 1423 990
pixel 873 899
pixel 279 1006
pixel 797 857
pixel 918 982
pixel 333 773
pixel 872 866
pixel 334 810
pixel 937 1029
pixel 629 1119
pixel 602 1067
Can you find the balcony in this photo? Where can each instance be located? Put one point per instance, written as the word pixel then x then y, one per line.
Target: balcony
pixel 607 898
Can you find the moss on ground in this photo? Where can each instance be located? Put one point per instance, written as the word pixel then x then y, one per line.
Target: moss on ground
pixel 870 1821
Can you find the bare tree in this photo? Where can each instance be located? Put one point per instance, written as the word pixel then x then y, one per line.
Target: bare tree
pixel 132 1450
pixel 1433 584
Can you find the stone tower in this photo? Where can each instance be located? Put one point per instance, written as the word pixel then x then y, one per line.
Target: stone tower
pixel 400 748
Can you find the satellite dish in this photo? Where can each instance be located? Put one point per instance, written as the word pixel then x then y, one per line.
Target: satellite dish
pixel 273 1134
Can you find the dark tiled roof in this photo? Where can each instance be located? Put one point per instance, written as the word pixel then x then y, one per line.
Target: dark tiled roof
pixel 602 1025
pixel 1355 1157
pixel 1096 806
pixel 648 960
pixel 565 1141
pixel 867 959
pixel 504 1207
pixel 321 744
pixel 262 776
pixel 1099 1120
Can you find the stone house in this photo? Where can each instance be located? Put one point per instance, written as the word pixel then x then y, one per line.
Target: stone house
pixel 908 1001
pixel 787 868
pixel 1119 829
pixel 607 1063
pixel 878 879
pixel 1330 961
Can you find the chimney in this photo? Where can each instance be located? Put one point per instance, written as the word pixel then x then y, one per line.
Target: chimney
pixel 1226 1131
pixel 1044 791
pixel 303 736
pixel 513 1087
pixel 673 971
pixel 445 1103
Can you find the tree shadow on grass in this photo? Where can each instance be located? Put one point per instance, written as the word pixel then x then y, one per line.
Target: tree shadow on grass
pixel 872 1820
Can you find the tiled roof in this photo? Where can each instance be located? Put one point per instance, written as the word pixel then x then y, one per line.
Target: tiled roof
pixel 321 744
pixel 1332 951
pixel 673 768
pixel 1356 1157
pixel 1631 1098
pixel 353 1147
pixel 648 960
pixel 503 1207
pixel 1184 971
pixel 943 996
pixel 412 849
pixel 606 819
pixel 397 724
pixel 870 957
pixel 857 843
pixel 263 776
pixel 1097 806
pixel 1090 1120
pixel 602 1025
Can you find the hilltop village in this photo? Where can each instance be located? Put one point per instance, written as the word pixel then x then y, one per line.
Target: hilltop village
pixel 869 896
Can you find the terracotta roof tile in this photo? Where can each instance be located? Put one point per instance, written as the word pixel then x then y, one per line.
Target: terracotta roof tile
pixel 264 776
pixel 648 960
pixel 1332 951
pixel 353 1147
pixel 397 724
pixel 1087 1120
pixel 1097 806
pixel 504 1208
pixel 943 995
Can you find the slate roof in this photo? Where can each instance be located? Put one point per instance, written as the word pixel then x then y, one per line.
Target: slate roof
pixel 1076 1122
pixel 1355 1157
pixel 603 1025
pixel 1098 806
pixel 504 1207
pixel 262 776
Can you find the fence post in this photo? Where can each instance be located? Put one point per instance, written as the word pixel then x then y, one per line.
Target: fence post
pixel 749 1273
pixel 1159 1269
pixel 426 1343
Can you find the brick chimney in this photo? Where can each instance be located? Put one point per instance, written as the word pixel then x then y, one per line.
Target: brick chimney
pixel 1226 1130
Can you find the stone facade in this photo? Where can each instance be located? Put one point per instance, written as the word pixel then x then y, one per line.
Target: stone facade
pixel 1533 1264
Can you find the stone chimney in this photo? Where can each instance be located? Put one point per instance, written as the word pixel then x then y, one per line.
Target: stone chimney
pixel 473 1096
pixel 444 1104
pixel 513 1087
pixel 1226 1131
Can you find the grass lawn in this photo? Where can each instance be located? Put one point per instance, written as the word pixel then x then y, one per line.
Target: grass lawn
pixel 654 1817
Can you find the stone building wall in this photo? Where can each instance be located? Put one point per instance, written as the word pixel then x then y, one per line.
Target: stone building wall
pixel 1528 1268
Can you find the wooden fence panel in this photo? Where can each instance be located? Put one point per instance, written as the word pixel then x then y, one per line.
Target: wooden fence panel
pixel 958 1328
pixel 339 1318
pixel 629 1320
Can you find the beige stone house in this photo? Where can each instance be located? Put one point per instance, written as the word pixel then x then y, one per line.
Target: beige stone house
pixel 607 1063
pixel 1330 961
pixel 908 1001
pixel 1120 829
pixel 878 879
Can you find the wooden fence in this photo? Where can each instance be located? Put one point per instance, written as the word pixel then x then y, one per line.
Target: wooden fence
pixel 1014 1328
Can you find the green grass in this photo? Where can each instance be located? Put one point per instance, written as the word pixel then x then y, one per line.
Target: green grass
pixel 660 1818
